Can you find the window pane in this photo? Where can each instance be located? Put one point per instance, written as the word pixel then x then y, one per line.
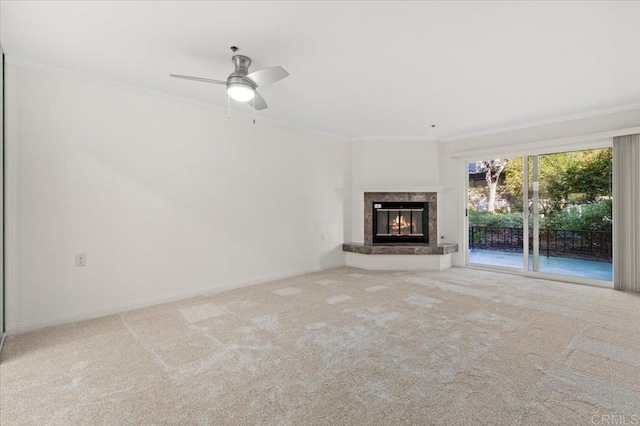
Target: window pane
pixel 394 216
pixel 416 223
pixel 405 222
pixel 382 222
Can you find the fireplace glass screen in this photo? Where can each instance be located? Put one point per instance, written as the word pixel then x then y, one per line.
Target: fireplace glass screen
pixel 400 222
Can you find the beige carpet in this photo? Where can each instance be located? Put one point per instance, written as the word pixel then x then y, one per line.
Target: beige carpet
pixel 343 346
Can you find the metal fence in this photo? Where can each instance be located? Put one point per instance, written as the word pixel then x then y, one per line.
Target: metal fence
pixel 553 242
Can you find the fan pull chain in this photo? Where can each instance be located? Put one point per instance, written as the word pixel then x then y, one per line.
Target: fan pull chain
pixel 253 116
pixel 228 108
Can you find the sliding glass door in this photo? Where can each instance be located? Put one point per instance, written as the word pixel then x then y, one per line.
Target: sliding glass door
pixel 549 213
pixel 571 208
pixel 495 213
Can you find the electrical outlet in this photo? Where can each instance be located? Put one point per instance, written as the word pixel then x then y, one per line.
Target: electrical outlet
pixel 81 259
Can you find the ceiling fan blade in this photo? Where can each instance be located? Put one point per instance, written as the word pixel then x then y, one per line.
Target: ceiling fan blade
pixel 205 80
pixel 258 102
pixel 267 75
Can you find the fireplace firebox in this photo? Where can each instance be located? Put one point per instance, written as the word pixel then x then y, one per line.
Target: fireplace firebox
pixel 400 222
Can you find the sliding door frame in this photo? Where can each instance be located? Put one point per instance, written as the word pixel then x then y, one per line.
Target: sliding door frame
pixel 465 207
pixel 3 294
pixel 535 208
pixel 525 213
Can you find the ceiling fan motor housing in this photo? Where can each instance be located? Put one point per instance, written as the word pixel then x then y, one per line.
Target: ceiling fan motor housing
pixel 239 75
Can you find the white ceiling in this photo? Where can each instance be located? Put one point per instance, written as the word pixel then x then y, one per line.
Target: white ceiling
pixel 358 69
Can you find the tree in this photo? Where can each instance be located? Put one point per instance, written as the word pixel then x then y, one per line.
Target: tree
pixel 590 178
pixel 565 177
pixel 492 170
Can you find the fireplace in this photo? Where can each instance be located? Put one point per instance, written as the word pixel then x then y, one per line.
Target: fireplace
pixel 402 217
pixel 400 222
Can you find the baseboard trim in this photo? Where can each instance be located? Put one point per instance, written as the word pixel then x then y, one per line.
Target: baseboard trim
pixel 157 300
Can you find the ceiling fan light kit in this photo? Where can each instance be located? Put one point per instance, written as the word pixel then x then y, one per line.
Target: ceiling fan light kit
pixel 241 85
pixel 240 92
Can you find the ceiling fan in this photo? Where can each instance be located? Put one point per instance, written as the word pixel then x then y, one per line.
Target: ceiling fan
pixel 241 84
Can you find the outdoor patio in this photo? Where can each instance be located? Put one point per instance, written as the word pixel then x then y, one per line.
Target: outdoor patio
pixel 552 265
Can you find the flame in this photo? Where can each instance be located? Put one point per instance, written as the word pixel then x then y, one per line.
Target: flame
pixel 400 224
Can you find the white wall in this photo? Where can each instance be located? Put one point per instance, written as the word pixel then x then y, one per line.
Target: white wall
pixel 394 165
pixel 169 199
pixel 552 137
pixel 166 198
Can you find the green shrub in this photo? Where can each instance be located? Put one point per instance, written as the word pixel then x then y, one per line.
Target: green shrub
pixel 485 218
pixel 594 216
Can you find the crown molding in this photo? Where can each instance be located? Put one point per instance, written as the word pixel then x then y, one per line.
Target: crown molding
pixel 586 141
pixel 532 124
pixel 25 63
pixel 63 72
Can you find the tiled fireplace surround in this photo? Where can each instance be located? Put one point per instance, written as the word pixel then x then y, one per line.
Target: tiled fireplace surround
pixel 423 197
